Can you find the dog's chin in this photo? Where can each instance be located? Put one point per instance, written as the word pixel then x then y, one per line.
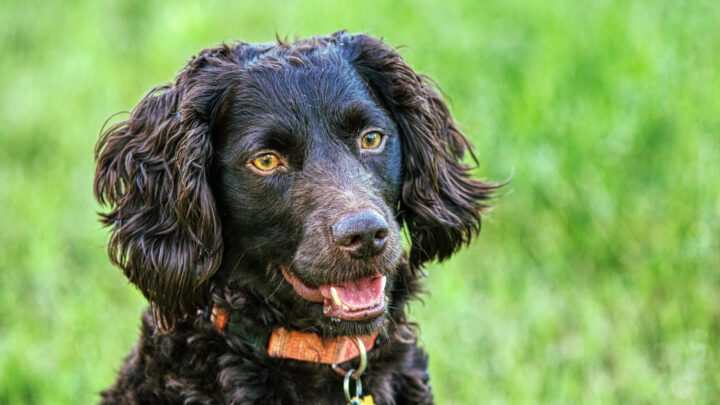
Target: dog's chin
pixel 338 327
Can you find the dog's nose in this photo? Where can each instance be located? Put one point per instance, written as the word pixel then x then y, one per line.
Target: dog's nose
pixel 362 234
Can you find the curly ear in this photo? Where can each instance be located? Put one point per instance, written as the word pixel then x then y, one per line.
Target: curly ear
pixel 440 203
pixel 152 172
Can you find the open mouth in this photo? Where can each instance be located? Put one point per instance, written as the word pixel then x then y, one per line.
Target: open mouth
pixel 355 300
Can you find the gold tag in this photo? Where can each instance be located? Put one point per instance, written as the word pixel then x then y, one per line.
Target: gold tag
pixel 366 400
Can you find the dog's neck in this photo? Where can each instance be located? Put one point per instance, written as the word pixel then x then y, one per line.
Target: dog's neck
pixel 296 345
pixel 239 311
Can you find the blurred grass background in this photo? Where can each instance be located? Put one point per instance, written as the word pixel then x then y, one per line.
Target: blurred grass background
pixel 596 277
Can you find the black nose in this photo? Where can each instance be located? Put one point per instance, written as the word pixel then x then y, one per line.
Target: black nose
pixel 362 234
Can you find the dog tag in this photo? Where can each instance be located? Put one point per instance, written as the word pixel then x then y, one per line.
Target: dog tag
pixel 366 400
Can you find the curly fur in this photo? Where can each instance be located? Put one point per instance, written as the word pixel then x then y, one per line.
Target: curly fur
pixel 191 227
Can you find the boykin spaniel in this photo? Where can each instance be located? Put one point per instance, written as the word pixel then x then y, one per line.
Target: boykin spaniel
pixel 258 201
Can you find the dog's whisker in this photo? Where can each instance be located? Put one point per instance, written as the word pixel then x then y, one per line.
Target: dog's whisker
pixel 276 290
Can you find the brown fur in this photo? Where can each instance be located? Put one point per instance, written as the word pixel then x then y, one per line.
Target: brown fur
pixel 192 227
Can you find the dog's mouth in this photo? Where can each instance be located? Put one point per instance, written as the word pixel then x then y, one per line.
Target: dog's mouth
pixel 355 300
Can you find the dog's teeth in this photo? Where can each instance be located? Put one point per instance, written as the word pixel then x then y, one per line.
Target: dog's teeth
pixel 336 297
pixel 383 283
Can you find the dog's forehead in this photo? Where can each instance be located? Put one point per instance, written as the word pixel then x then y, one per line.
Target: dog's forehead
pixel 289 102
pixel 312 85
pixel 284 95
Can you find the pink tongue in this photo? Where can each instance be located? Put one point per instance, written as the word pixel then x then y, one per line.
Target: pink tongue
pixel 357 294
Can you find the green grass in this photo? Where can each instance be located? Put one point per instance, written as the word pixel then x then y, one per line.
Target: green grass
pixel 596 279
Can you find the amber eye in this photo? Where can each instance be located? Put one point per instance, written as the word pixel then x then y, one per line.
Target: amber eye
pixel 371 140
pixel 266 162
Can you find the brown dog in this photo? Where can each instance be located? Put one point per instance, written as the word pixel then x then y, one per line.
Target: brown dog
pixel 257 203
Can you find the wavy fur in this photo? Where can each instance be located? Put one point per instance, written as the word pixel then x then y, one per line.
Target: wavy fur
pixel 192 228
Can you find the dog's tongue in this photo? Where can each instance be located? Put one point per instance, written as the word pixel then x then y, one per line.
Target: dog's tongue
pixel 355 295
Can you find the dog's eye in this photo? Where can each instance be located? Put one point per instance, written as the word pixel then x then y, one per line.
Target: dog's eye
pixel 371 140
pixel 266 162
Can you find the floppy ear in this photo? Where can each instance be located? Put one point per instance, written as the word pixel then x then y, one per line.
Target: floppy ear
pixel 440 203
pixel 152 172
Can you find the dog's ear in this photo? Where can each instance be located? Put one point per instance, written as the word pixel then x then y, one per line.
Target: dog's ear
pixel 440 203
pixel 152 172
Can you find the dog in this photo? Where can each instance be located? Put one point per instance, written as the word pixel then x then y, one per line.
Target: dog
pixel 258 204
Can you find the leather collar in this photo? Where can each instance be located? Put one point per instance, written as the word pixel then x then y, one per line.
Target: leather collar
pixel 290 344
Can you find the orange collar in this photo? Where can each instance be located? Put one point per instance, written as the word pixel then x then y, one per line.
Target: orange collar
pixel 290 344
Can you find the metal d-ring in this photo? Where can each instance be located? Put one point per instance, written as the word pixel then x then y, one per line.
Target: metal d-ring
pixel 363 361
pixel 346 386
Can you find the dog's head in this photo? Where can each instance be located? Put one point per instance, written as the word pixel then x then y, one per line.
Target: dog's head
pixel 291 169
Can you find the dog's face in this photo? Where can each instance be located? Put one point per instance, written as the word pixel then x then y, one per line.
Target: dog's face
pixel 290 170
pixel 307 177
